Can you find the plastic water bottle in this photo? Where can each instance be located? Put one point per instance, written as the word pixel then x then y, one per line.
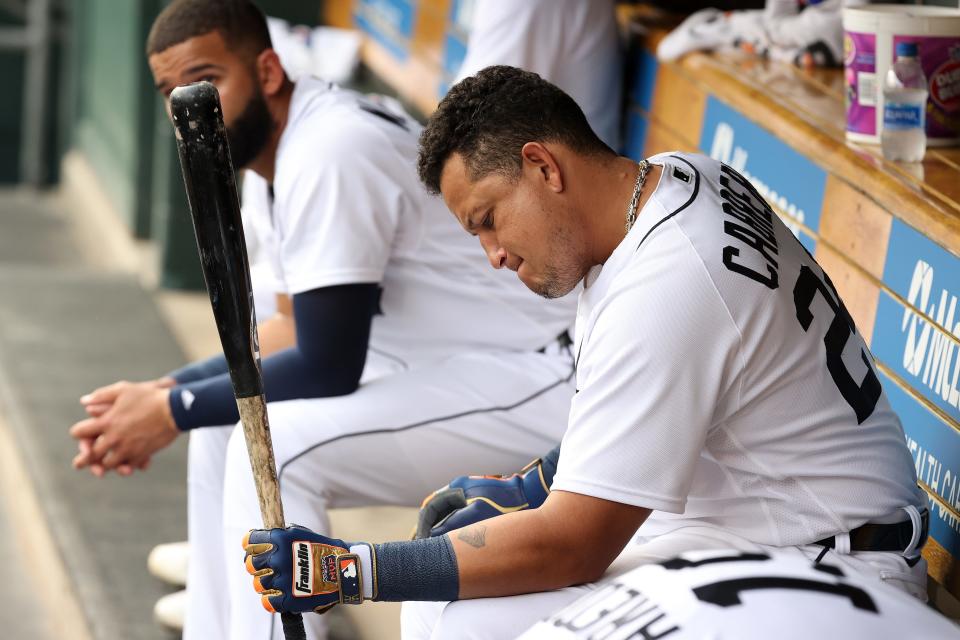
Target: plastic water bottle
pixel 904 135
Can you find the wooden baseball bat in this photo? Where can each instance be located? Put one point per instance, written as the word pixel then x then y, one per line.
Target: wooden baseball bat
pixel 215 208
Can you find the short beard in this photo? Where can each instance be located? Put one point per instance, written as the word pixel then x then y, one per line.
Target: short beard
pixel 560 278
pixel 249 133
pixel 557 282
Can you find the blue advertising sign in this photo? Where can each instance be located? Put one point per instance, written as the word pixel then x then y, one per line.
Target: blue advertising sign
pixel 920 353
pixel 787 179
pixel 389 22
pixel 935 447
pixel 455 43
pixel 642 82
pixel 644 79
pixel 636 136
pixel 454 51
pixel 924 350
pixel 912 261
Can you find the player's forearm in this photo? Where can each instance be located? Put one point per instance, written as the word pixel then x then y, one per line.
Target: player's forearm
pixel 275 334
pixel 326 357
pixel 518 553
pixel 287 375
pixel 570 539
pixel 483 560
pixel 199 370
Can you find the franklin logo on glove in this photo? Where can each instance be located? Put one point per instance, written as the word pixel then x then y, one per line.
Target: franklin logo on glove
pixel 303 570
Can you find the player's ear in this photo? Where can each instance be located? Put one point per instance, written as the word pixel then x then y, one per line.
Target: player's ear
pixel 538 160
pixel 270 73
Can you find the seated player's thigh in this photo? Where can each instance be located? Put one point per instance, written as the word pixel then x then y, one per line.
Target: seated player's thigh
pixel 645 549
pixel 485 618
pixel 206 456
pixel 401 436
pixel 510 616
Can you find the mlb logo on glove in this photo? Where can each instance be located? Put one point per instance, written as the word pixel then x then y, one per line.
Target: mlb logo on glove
pixel 350 591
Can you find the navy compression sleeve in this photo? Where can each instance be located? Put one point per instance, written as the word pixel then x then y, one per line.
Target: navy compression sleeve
pixel 333 331
pixel 200 370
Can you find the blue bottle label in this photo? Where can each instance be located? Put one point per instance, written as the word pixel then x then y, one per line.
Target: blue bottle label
pixel 899 117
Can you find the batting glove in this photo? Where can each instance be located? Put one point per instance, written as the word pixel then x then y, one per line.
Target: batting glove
pixel 470 499
pixel 296 570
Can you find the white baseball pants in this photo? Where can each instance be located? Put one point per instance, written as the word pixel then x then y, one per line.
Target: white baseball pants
pixel 392 442
pixel 502 618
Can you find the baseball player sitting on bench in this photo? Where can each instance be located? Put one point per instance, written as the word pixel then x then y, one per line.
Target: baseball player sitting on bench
pixel 462 367
pixel 725 398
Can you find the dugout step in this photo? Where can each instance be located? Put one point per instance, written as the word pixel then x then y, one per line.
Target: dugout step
pixel 63 331
pixel 67 326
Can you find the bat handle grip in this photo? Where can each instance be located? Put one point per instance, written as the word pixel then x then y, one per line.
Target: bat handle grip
pixel 293 626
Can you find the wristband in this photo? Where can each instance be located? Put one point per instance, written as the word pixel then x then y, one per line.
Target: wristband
pixel 423 569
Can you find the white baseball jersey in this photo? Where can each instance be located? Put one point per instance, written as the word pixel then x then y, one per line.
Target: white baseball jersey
pixel 743 596
pixel 571 43
pixel 348 207
pixel 721 381
pixel 261 245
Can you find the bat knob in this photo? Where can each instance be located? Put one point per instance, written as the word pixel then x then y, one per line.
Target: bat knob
pixel 196 111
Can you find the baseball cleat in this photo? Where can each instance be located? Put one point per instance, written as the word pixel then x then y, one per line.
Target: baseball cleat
pixel 171 609
pixel 168 562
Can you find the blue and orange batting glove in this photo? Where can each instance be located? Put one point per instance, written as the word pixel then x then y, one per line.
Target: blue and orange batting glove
pixel 470 499
pixel 297 570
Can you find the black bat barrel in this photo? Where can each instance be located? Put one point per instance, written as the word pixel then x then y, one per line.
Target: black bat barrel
pixel 212 191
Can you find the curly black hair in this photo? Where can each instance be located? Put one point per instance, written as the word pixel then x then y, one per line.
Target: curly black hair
pixel 242 25
pixel 487 118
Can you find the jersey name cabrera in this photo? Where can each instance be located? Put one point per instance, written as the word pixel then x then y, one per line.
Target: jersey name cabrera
pixel 742 596
pixel 348 208
pixel 721 380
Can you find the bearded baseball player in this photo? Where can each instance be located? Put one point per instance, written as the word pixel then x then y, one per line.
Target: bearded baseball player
pixel 743 596
pixel 462 368
pixel 725 398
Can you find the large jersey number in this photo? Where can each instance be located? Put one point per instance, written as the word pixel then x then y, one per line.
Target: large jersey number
pixel 726 593
pixel 862 398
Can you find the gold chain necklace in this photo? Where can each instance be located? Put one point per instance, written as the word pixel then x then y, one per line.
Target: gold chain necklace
pixel 644 168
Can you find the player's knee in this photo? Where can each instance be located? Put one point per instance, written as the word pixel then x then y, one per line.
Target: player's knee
pixel 240 504
pixel 236 444
pixel 206 453
pixel 465 620
pixel 418 619
pixel 238 476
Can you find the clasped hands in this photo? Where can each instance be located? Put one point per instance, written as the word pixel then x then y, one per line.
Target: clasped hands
pixel 127 423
